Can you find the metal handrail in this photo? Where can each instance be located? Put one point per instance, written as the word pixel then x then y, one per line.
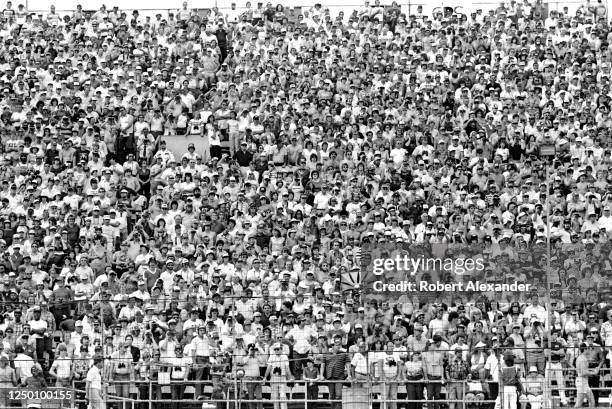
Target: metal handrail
pixel 371 387
pixel 236 390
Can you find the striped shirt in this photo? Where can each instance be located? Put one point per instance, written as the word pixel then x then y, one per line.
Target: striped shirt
pixel 335 365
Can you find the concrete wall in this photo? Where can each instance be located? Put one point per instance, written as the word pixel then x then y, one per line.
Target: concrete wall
pixel 178 145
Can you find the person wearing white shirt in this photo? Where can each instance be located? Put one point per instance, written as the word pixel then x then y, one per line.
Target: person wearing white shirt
pixel 179 372
pixel 246 305
pixel 38 326
pixel 193 322
pixel 605 221
pixel 492 367
pixel 229 331
pixel 61 369
pixel 23 364
pixel 279 372
pixel 359 363
pixel 301 336
pixel 200 352
pixel 94 385
pixel 535 310
pixel 129 311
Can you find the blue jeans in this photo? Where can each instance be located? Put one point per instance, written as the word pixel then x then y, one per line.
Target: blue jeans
pixel 434 387
pixel 335 394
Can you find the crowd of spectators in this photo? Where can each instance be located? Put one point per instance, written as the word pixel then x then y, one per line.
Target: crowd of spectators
pixel 127 266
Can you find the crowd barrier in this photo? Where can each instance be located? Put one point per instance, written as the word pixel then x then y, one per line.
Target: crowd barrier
pixel 234 393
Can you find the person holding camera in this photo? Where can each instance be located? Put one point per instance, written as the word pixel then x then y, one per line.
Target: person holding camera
pixel 390 375
pixel 250 365
pixel 122 370
pixel 179 373
pixel 279 373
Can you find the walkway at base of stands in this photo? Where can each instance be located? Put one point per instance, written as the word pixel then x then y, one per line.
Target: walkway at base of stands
pixel 354 397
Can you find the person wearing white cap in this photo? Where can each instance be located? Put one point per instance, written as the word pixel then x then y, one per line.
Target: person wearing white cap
pixel 533 389
pixel 279 372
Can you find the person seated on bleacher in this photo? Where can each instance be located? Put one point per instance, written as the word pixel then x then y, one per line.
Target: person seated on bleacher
pixel 533 389
pixel 474 390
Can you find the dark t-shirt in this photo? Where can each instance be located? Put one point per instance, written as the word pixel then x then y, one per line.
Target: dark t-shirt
pixel 555 346
pixel 335 365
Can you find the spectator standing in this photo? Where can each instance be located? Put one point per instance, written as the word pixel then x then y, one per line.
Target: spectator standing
pixel 279 373
pixel 36 382
pixel 434 359
pixel 311 377
pixel 457 372
pixel 179 373
pixel 555 365
pixel 122 370
pixel 335 368
pixel 94 385
pixel 492 372
pixel 413 373
pixel 23 364
pixel 596 359
pixel 390 374
pixel 8 380
pixel 509 382
pixel 252 376
pixel 200 349
pixel 583 372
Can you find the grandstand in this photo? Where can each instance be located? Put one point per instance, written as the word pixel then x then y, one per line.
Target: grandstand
pixel 331 205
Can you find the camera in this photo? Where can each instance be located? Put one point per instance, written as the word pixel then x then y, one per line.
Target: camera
pixel 276 371
pixel 121 366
